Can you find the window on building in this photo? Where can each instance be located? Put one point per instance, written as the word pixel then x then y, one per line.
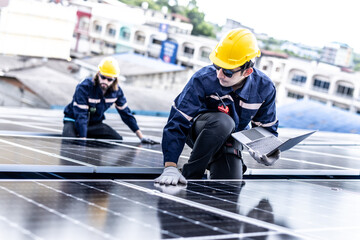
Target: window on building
pixel 345 91
pixel 277 69
pixel 341 106
pixel 111 32
pixel 318 100
pixel 187 65
pixel 140 39
pixel 124 33
pixel 295 95
pixel 188 50
pixel 298 79
pixel 264 68
pixel 321 85
pixel 98 28
pixel 156 41
pixel 358 111
pixel 204 55
pixel 110 45
pixel 84 23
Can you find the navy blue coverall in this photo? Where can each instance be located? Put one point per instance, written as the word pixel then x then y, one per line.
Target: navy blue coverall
pixel 198 103
pixel 87 108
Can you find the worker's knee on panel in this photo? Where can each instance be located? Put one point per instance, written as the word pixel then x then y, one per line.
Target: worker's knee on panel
pixel 227 164
pixel 224 125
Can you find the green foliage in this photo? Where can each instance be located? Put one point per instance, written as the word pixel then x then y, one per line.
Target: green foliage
pixel 191 11
pixel 204 29
pixel 357 67
pixel 356 58
pixel 272 41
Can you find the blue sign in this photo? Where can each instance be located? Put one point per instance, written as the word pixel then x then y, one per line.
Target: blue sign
pixel 163 27
pixel 168 51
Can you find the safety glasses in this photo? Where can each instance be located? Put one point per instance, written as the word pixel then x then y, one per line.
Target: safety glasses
pixel 110 79
pixel 228 73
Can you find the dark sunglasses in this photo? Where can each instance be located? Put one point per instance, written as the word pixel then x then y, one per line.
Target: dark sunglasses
pixel 228 73
pixel 110 79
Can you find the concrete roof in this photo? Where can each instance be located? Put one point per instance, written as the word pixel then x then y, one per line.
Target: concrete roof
pixel 53 81
pixel 136 64
pixel 147 99
pixel 54 87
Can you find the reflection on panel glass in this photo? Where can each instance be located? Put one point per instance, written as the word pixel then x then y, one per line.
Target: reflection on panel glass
pixel 55 151
pixel 107 210
pixel 308 206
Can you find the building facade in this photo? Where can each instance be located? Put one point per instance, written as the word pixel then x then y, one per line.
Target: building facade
pixel 339 54
pixel 109 29
pixel 299 79
pixel 110 32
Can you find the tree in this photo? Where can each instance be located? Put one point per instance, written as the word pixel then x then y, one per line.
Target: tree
pixel 200 27
pixel 191 11
pixel 357 67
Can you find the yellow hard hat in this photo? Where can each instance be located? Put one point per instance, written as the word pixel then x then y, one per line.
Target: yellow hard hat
pixel 236 48
pixel 109 67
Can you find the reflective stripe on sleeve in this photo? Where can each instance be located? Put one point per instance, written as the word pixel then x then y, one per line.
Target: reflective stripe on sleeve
pixel 182 113
pixel 110 100
pixel 264 124
pixel 251 106
pixel 92 100
pixel 86 107
pixel 121 107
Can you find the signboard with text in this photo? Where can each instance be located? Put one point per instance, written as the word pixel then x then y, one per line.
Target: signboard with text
pixel 168 51
pixel 163 27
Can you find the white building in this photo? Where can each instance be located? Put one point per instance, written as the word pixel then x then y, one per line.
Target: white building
pixel 114 29
pixel 300 79
pixel 339 54
pixel 37 29
pixel 301 50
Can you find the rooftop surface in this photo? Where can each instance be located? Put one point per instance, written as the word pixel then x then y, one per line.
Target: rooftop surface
pixel 307 114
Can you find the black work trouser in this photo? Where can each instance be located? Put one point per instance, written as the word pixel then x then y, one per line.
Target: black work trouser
pixel 208 138
pixel 99 130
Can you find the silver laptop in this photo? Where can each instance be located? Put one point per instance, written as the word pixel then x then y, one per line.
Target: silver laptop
pixel 261 140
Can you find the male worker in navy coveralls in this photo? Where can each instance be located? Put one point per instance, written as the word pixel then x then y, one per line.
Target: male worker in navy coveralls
pixel 93 96
pixel 218 100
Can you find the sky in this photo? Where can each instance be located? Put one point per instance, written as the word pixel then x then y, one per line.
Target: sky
pixel 310 22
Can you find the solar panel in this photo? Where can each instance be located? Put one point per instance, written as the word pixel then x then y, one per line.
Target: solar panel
pixel 139 209
pixel 51 154
pixel 321 154
pixel 249 209
pixel 313 209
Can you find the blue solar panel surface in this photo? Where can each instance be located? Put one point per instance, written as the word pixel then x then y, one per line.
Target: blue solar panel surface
pixel 37 137
pixel 310 208
pixel 250 209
